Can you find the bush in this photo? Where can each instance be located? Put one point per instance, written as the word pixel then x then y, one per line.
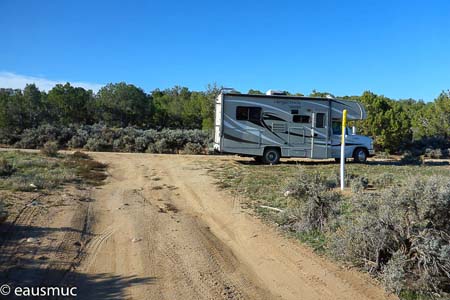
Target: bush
pixel 50 149
pixel 97 144
pixel 98 137
pixel 358 184
pixel 410 158
pixel 34 138
pixel 312 201
pixel 77 142
pixel 80 155
pixel 162 146
pixel 394 273
pixel 6 169
pixel 141 143
pixel 384 180
pixel 433 153
pixel 401 233
pixel 193 148
pixel 383 154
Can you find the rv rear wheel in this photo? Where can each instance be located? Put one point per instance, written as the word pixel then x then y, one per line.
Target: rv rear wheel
pixel 271 156
pixel 360 155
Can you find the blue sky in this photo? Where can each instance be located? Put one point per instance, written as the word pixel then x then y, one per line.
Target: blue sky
pixel 397 48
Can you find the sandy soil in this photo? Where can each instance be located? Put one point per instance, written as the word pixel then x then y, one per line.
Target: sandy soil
pixel 160 229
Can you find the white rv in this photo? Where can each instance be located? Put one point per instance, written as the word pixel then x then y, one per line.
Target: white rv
pixel 268 127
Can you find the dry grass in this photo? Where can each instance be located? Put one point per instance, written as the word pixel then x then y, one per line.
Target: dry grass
pixel 34 171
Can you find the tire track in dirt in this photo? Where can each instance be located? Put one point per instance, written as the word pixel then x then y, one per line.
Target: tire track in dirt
pixel 296 271
pixel 94 245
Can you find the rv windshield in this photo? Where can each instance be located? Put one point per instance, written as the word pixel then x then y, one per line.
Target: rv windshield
pixel 337 126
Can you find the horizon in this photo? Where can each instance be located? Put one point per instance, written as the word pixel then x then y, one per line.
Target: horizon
pixel 15 81
pixel 393 49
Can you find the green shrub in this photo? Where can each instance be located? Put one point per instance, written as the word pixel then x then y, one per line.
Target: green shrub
pixel 34 138
pixel 394 272
pixel 50 149
pixel 193 148
pixel 163 146
pixel 358 184
pixel 402 221
pixel 77 141
pixel 80 155
pixel 141 143
pixel 312 201
pixel 410 158
pixel 97 144
pixel 383 155
pixel 384 180
pixel 6 169
pixel 98 137
pixel 434 153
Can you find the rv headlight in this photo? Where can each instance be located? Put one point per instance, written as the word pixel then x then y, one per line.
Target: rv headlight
pixel 371 144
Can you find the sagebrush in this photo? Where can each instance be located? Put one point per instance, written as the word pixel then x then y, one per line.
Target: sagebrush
pixel 99 137
pixel 401 233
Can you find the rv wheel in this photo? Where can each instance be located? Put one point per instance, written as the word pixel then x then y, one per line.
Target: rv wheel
pixel 360 155
pixel 271 156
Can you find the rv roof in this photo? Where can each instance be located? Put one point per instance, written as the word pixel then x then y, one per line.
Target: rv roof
pixel 278 96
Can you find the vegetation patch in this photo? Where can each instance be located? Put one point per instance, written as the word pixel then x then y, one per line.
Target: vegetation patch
pixel 6 168
pixel 99 137
pixel 393 223
pixel 50 149
pixel 31 171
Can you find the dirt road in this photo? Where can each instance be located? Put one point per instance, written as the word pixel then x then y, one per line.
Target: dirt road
pixel 162 230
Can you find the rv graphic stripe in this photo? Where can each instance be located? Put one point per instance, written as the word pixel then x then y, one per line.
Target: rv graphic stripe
pixel 242 126
pixel 269 116
pixel 236 139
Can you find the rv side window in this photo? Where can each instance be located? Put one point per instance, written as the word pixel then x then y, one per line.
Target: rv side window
pixel 248 113
pixel 300 119
pixel 254 114
pixel 241 113
pixel 320 120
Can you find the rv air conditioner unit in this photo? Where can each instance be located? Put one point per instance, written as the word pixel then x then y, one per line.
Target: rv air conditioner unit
pixel 274 93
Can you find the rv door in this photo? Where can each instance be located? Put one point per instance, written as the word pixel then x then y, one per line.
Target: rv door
pixel 319 135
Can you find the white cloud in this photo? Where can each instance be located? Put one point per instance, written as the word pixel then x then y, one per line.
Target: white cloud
pixel 17 81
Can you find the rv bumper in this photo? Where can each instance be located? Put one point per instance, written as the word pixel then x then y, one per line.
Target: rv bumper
pixel 372 152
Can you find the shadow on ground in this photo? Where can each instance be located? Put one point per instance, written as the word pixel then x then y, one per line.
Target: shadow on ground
pixel 332 162
pixel 32 264
pixel 99 286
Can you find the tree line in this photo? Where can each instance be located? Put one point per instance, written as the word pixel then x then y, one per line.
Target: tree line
pixel 396 125
pixel 115 105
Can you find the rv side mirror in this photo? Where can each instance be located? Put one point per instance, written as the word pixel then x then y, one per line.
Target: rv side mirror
pixel 353 130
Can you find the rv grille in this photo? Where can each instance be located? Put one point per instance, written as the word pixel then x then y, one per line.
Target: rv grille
pixel 279 128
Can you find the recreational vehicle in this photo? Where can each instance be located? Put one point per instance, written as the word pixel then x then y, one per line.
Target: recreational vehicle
pixel 268 127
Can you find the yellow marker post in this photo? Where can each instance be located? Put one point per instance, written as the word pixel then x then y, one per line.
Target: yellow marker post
pixel 344 125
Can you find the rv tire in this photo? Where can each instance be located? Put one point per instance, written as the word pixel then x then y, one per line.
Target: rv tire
pixel 271 156
pixel 360 155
